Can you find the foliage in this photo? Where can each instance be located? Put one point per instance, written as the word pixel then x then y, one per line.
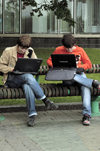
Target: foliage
pixel 60 9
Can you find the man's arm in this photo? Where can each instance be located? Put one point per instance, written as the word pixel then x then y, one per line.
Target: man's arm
pixel 49 62
pixel 33 55
pixel 4 62
pixel 86 63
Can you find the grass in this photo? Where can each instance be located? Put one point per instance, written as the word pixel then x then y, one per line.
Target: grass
pixel 44 53
pixel 93 53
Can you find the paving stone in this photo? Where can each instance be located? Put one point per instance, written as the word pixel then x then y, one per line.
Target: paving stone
pixel 59 130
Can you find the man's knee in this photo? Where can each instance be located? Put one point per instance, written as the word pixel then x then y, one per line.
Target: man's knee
pixel 29 78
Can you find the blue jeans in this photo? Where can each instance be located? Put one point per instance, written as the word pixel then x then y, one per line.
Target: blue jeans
pixel 31 89
pixel 86 85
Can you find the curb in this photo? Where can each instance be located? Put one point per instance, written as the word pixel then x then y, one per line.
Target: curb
pixel 23 108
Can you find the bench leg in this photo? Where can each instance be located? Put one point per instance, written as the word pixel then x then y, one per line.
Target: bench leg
pixel 2 118
pixel 95 106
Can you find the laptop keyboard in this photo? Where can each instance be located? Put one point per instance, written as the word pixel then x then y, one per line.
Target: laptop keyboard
pixel 60 74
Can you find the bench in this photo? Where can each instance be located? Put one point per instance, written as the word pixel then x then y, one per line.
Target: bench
pixel 56 89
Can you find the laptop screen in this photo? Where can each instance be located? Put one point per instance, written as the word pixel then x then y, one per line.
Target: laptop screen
pixel 63 60
pixel 27 65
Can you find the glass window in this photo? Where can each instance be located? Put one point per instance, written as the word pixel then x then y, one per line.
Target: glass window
pixel 47 23
pixel 44 24
pixel 34 24
pixel 96 13
pixel 85 12
pixel 11 16
pixel 52 23
pixel 0 16
pixel 26 20
pixel 63 25
pixel 87 16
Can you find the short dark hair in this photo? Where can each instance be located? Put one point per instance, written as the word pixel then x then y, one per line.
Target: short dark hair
pixel 68 41
pixel 24 41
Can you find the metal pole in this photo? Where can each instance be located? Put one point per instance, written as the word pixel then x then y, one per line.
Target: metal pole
pixel 20 15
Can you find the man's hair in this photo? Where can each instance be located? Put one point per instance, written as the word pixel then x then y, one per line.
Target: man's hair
pixel 24 41
pixel 68 41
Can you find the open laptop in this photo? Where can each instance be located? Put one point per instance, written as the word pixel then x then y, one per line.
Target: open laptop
pixel 27 65
pixel 63 60
pixel 64 67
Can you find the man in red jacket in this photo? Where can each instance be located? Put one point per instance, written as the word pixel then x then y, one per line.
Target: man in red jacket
pixel 83 62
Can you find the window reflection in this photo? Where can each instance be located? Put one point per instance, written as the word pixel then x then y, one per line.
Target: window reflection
pixel 0 16
pixel 11 16
pixel 34 24
pixel 86 13
pixel 88 16
pixel 47 23
pixel 26 20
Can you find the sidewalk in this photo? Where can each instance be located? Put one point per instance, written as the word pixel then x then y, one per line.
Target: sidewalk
pixel 53 131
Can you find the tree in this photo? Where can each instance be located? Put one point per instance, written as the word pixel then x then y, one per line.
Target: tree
pixel 60 9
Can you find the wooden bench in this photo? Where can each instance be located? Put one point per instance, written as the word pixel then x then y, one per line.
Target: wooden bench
pixel 56 90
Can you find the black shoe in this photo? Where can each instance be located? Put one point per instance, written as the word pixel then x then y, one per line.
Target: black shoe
pixel 96 84
pixel 86 120
pixel 50 105
pixel 30 121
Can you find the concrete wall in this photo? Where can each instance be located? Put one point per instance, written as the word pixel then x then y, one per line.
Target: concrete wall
pixel 85 42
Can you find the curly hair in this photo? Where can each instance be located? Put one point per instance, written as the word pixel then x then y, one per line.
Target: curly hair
pixel 24 41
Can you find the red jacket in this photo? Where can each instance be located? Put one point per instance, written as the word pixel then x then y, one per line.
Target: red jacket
pixel 82 60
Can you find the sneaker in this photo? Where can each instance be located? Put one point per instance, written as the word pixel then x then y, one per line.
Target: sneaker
pixel 86 120
pixel 30 121
pixel 50 105
pixel 96 84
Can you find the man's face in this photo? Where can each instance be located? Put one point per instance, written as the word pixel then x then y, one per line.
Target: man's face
pixel 22 49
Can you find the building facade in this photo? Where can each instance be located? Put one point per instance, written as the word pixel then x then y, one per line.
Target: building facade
pixel 14 20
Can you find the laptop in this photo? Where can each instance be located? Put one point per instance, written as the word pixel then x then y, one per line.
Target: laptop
pixel 64 67
pixel 27 65
pixel 63 60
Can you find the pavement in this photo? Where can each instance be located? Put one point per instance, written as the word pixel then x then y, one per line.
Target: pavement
pixel 59 130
